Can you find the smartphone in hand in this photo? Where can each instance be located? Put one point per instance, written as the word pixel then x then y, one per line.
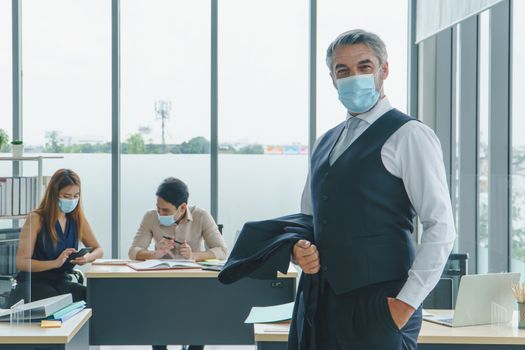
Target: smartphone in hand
pixel 80 253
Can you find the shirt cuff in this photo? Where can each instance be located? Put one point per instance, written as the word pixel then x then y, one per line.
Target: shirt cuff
pixel 412 293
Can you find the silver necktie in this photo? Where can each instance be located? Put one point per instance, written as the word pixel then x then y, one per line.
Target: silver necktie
pixel 346 138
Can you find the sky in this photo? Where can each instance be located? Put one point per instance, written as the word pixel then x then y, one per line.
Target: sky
pixel 165 55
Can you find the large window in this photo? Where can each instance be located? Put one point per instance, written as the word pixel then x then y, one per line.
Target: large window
pixel 263 110
pixel 6 86
pixel 165 51
pixel 165 108
pixel 483 151
pixel 6 96
pixel 518 142
pixel 67 97
pixel 390 23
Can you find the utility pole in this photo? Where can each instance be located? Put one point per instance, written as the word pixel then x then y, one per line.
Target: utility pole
pixel 162 111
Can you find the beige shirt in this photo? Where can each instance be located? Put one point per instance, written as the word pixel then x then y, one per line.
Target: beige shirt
pixel 197 227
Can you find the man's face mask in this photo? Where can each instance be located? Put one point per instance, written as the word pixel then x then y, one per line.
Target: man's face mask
pixel 168 220
pixel 358 93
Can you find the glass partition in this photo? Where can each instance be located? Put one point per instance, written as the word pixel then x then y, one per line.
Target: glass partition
pixel 263 110
pixel 165 112
pixel 67 98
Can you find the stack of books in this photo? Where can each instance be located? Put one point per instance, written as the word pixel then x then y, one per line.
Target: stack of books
pixel 62 315
pixel 51 312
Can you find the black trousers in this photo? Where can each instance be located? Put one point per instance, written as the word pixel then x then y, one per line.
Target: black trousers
pixel 361 320
pixel 39 289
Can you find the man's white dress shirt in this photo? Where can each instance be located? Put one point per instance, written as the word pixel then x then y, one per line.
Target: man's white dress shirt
pixel 413 154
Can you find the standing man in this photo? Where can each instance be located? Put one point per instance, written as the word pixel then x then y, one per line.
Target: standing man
pixel 369 176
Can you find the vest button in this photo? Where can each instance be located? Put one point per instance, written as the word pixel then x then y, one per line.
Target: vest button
pixel 325 197
pixel 325 267
pixel 325 222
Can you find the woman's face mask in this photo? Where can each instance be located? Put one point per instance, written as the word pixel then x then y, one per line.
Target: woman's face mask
pixel 67 205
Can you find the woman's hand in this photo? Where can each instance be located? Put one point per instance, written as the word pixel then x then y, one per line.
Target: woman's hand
pixel 64 256
pixel 185 251
pixel 164 246
pixel 82 260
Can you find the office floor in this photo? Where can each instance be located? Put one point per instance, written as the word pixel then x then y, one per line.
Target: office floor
pixel 177 347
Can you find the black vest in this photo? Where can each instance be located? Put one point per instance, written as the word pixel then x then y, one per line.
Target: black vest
pixel 362 213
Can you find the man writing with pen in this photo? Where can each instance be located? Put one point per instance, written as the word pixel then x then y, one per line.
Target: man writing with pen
pixel 179 231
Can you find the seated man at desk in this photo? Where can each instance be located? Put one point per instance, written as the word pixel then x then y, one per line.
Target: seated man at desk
pixel 179 231
pixel 50 235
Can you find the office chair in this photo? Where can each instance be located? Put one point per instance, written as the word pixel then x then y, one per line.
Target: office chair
pixel 7 284
pixel 77 275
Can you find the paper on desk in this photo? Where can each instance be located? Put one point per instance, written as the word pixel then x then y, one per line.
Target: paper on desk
pixel 111 262
pixel 275 313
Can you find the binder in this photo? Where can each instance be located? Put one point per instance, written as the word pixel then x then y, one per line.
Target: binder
pixel 22 195
pixel 66 310
pixel 16 196
pixel 9 196
pixel 66 316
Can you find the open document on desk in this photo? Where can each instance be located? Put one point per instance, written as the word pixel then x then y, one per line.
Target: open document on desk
pixel 168 264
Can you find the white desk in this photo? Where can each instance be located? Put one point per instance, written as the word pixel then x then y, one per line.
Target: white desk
pixel 274 336
pixel 73 335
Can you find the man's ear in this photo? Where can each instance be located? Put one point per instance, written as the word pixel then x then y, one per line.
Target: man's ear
pixel 384 71
pixel 183 206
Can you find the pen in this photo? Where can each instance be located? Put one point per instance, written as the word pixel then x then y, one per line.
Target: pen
pixel 173 239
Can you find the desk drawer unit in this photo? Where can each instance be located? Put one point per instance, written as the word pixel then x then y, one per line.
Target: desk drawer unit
pixel 141 311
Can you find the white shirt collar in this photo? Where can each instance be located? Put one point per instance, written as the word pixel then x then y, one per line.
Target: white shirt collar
pixel 382 106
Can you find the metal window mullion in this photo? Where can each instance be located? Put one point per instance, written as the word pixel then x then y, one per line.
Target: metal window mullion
pixel 468 140
pixel 426 106
pixel 312 106
pixel 499 115
pixel 115 130
pixel 214 123
pixel 412 79
pixel 16 35
pixel 443 96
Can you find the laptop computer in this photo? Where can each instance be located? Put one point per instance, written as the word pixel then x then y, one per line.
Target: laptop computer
pixel 482 299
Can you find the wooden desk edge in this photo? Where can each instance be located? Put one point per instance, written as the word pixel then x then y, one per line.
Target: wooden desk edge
pixel 49 339
pixel 271 335
pixel 260 335
pixel 123 271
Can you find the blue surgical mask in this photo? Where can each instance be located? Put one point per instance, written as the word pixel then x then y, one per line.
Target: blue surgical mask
pixel 166 220
pixel 67 205
pixel 358 93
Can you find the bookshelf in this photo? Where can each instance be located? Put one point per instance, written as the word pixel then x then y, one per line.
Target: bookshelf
pixel 39 160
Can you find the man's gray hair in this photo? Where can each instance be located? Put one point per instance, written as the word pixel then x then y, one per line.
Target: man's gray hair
pixel 357 36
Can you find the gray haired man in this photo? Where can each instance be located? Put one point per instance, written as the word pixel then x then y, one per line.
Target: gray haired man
pixel 368 178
